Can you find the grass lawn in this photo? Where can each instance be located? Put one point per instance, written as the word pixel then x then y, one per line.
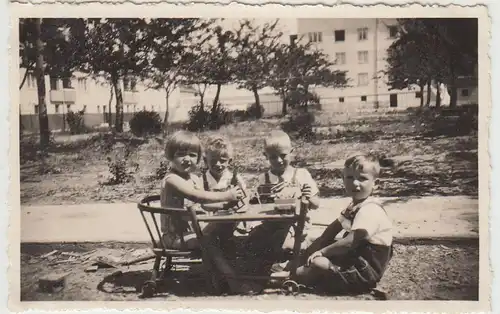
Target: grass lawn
pixel 413 274
pixel 423 157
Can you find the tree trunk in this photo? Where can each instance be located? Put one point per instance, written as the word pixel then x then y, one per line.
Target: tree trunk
pixel 165 120
pixel 43 118
pixel 438 94
pixel 429 92
pixel 421 95
pixel 284 107
pixel 453 95
pixel 258 113
pixel 119 105
pixel 216 99
pixel 28 69
pixel 108 115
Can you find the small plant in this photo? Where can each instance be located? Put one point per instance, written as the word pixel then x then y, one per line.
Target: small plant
pixel 119 170
pixel 76 122
pixel 145 123
pixel 201 119
pixel 300 123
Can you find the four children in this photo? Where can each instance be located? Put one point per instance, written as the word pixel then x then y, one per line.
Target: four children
pixel 353 263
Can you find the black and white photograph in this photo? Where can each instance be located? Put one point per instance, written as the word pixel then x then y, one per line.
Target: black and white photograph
pixel 229 158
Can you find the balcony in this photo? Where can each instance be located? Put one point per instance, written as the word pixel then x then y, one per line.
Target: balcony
pixel 130 97
pixel 67 96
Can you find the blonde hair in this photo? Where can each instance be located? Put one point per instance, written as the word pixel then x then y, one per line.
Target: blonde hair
pixel 364 162
pixel 183 140
pixel 277 139
pixel 219 145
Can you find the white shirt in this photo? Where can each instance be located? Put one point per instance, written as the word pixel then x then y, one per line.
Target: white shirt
pixel 372 218
pixel 224 181
pixel 302 177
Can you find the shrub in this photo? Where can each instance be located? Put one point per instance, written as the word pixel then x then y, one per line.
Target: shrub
pixel 119 170
pixel 254 112
pixel 76 122
pixel 300 123
pixel 201 119
pixel 301 98
pixel 145 123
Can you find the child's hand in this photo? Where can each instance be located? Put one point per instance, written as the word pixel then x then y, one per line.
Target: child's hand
pixel 306 191
pixel 237 193
pixel 313 256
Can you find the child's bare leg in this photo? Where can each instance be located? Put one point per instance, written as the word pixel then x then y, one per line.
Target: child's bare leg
pixel 309 275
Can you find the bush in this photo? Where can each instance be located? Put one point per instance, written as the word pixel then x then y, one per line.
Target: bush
pixel 145 123
pixel 301 98
pixel 300 123
pixel 76 122
pixel 201 119
pixel 254 112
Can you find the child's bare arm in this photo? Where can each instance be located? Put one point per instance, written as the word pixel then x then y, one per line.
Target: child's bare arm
pixel 343 246
pixel 200 196
pixel 325 238
pixel 314 202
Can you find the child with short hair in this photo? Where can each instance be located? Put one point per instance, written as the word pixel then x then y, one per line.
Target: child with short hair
pixel 218 158
pixel 289 182
pixel 180 188
pixel 357 262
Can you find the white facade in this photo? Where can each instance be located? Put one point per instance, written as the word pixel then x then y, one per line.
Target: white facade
pixel 359 46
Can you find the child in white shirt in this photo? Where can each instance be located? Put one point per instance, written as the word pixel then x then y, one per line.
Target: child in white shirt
pixel 357 262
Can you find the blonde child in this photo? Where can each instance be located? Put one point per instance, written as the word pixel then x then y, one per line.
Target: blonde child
pixel 218 177
pixel 289 182
pixel 181 188
pixel 356 262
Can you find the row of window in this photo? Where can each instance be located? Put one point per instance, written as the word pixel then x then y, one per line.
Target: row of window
pixel 128 84
pixel 340 57
pixel 339 34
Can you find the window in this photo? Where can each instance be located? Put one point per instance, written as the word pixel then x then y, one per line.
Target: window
pixel 393 31
pixel 31 80
pixel 340 57
pixel 144 108
pixel 362 33
pixel 68 107
pixel 53 83
pixel 341 99
pixel 362 57
pixel 36 109
pixel 82 83
pixel 98 108
pixel 315 37
pixel 126 84
pixel 104 108
pixel 84 108
pixel 133 84
pixel 152 107
pixel 339 35
pixel 362 79
pixel 418 95
pixel 363 98
pixel 465 92
pixel 67 83
pixel 57 108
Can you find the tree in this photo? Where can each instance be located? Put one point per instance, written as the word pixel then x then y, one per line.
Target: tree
pixel 255 49
pixel 170 40
pixel 300 66
pixel 59 52
pixel 115 49
pixel 40 79
pixel 433 50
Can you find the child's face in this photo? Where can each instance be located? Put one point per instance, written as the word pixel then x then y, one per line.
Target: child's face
pixel 185 161
pixel 217 163
pixel 279 157
pixel 359 183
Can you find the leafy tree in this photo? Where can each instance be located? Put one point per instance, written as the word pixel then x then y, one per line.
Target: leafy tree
pixel 114 49
pixel 170 40
pixel 433 50
pixel 300 66
pixel 255 49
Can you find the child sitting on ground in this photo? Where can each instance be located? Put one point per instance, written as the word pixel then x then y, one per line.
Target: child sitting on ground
pixel 268 240
pixel 355 263
pixel 181 188
pixel 218 177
